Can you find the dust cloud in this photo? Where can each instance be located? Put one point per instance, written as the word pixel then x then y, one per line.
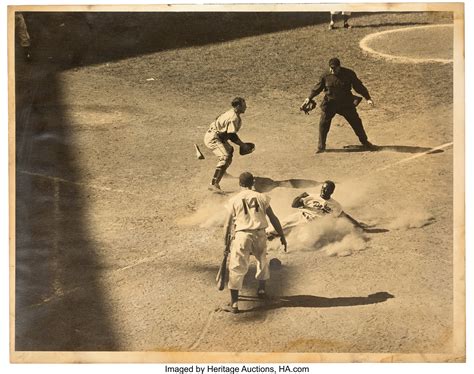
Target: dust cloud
pixel 334 236
pixel 411 218
pixel 211 213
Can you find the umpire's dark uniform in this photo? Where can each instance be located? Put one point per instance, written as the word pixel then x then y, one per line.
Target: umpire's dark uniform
pixel 338 99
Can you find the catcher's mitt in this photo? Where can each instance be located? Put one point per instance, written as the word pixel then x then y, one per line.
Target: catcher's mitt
pixel 246 148
pixel 307 107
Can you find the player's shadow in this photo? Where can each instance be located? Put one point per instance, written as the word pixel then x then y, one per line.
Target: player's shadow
pixel 385 24
pixel 375 230
pixel 311 301
pixel 371 229
pixel 263 184
pixel 387 148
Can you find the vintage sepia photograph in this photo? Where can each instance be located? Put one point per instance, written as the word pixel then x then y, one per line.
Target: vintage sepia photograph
pixel 237 183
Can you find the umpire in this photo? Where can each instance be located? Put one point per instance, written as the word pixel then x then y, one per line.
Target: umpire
pixel 338 99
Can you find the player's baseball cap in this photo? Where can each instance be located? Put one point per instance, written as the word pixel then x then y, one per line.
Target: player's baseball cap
pixel 237 101
pixel 246 179
pixel 334 62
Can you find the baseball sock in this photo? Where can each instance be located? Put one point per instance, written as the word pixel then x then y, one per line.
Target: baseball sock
pixel 218 174
pixel 234 296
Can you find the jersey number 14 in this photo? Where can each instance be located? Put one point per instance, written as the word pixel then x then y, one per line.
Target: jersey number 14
pixel 252 203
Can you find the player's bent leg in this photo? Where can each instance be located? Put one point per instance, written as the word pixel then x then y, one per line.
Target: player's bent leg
pixel 222 165
pixel 224 152
pixel 218 173
pixel 293 220
pixel 287 224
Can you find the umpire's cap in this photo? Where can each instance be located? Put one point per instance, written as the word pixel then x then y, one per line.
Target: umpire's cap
pixel 334 62
pixel 246 179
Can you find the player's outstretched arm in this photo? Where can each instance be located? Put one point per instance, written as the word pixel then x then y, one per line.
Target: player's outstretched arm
pixel 352 220
pixel 277 225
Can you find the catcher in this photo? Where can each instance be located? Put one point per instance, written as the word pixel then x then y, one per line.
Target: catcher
pixel 224 128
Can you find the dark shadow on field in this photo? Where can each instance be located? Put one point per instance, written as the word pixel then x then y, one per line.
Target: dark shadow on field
pixel 372 229
pixel 263 184
pixel 375 230
pixel 59 303
pixel 386 148
pixel 248 300
pixel 72 39
pixel 310 301
pixel 83 38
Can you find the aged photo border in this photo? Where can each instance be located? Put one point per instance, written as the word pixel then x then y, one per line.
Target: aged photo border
pixel 193 357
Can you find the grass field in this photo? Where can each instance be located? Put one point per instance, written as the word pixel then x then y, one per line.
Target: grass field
pixel 118 240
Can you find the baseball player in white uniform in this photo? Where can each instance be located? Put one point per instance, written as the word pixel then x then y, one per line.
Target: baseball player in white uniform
pixel 224 128
pixel 247 216
pixel 311 207
pixel 345 17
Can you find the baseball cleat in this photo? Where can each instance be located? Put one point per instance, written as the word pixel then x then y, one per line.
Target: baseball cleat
pixel 261 293
pixel 235 308
pixel 369 146
pixel 320 150
pixel 215 188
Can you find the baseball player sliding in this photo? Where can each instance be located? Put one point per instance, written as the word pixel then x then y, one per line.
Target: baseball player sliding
pixel 248 211
pixel 311 207
pixel 225 128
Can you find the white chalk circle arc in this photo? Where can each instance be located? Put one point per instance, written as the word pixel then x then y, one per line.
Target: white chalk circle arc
pixel 364 44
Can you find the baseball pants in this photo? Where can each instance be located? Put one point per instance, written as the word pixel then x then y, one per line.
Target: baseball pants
pixel 349 112
pixel 246 243
pixel 223 150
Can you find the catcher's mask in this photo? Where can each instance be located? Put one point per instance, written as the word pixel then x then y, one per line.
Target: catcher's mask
pixel 246 149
